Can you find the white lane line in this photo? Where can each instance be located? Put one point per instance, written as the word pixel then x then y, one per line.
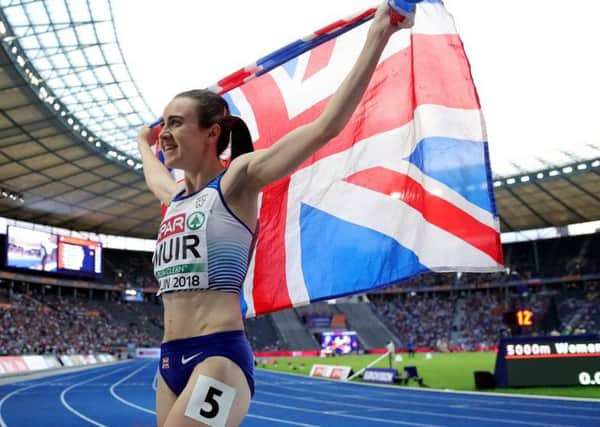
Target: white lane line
pixel 551 402
pixel 127 402
pixel 279 420
pixel 320 412
pixel 548 401
pixel 155 381
pixel 73 410
pixel 467 406
pixel 409 411
pixel 19 390
pixel 545 402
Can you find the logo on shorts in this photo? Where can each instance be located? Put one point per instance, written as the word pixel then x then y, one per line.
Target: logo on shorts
pixel 165 362
pixel 196 220
pixel 185 360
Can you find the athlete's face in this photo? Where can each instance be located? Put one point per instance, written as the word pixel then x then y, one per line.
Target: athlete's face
pixel 183 142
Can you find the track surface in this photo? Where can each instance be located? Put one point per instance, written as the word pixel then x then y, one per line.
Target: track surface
pixel 123 395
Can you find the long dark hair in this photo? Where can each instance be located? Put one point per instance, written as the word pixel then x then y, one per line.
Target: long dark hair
pixel 213 109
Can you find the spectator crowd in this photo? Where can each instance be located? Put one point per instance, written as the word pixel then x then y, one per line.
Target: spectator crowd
pixel 440 311
pixel 53 325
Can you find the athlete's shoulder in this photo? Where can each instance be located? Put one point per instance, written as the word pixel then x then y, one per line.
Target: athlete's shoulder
pixel 240 163
pixel 236 177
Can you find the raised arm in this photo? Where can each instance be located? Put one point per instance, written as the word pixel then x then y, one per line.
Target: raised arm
pixel 158 178
pixel 262 167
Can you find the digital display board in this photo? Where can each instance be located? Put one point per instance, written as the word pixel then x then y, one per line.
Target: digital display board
pixel 133 295
pixel 548 361
pixel 28 249
pixel 516 320
pixel 524 317
pixel 79 255
pixel 31 249
pixel 339 342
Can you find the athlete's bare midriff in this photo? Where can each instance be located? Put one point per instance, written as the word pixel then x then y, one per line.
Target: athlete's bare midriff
pixel 194 313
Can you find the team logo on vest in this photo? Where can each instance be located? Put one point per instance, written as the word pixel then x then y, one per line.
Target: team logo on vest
pixel 201 200
pixel 173 225
pixel 196 220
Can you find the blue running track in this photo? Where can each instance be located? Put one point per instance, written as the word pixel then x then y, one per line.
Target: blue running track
pixel 123 395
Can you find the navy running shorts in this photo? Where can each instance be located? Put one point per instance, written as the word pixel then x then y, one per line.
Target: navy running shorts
pixel 178 358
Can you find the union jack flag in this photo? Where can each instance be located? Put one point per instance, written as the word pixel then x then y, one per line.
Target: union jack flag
pixel 404 189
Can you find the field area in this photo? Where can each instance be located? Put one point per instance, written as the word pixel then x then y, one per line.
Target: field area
pixel 451 371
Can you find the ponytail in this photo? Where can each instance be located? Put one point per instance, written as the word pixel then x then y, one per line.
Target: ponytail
pixel 235 132
pixel 212 108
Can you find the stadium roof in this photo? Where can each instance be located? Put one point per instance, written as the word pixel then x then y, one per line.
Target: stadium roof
pixel 64 92
pixel 69 113
pixel 551 197
pixel 538 113
pixel 73 48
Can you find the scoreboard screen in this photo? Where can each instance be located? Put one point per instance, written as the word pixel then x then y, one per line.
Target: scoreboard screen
pixel 548 361
pixel 79 255
pixel 36 250
pixel 133 295
pixel 339 342
pixel 522 318
pixel 30 249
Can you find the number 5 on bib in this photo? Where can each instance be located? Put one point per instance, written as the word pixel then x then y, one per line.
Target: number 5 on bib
pixel 210 402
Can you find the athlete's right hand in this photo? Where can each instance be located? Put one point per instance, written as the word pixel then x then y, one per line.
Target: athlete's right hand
pixel 147 136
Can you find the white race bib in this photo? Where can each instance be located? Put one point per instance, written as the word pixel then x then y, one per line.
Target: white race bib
pixel 180 257
pixel 210 402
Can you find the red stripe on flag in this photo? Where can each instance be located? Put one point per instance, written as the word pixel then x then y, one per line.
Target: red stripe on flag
pixel 270 284
pixel 270 111
pixel 442 72
pixel 434 209
pixel 344 22
pixel 270 291
pixel 319 58
pixel 235 79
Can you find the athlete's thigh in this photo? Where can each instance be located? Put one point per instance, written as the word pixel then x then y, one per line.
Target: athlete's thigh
pixel 165 399
pixel 212 399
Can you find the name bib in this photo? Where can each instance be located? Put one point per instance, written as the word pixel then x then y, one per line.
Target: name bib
pixel 180 257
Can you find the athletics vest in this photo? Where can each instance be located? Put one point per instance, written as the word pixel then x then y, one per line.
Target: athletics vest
pixel 201 244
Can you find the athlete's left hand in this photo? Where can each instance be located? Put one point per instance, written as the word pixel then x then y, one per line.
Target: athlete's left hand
pixel 383 20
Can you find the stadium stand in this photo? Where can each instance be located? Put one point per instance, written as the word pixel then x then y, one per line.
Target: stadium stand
pixel 371 331
pixel 556 278
pixel 321 316
pixel 473 320
pixel 33 322
pixel 295 336
pixel 420 320
pixel 580 310
pixel 129 268
pixel 263 334
pixel 555 257
pixel 439 321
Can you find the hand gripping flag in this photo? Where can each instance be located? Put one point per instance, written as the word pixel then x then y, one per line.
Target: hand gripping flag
pixel 404 189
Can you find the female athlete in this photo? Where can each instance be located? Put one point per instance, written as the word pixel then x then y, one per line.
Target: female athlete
pixel 206 236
